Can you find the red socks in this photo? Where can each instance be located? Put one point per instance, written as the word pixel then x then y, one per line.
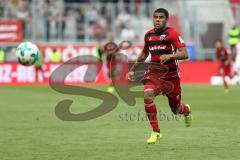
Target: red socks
pixel 151 111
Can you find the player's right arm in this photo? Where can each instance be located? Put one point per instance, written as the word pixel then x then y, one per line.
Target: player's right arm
pixel 141 58
pixel 229 57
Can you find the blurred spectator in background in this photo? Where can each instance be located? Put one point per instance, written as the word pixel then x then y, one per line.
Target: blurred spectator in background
pixel 99 31
pixel 2 55
pixel 2 8
pixel 61 24
pixel 234 38
pixel 12 7
pixel 128 33
pixel 103 8
pixel 148 8
pixel 136 7
pixel 92 16
pixel 108 18
pixel 47 16
pixel 24 3
pixel 138 3
pixel 23 13
pixel 122 20
pixel 55 56
pixel 80 19
pixel 127 5
pixel 38 5
pixel 73 2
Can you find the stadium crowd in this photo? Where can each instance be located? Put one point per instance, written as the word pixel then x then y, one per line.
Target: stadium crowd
pixel 93 21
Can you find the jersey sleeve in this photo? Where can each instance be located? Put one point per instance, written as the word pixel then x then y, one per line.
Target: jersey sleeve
pixel 227 51
pixel 145 47
pixel 177 40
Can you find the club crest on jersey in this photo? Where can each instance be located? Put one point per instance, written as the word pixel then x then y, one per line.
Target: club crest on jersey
pixel 162 37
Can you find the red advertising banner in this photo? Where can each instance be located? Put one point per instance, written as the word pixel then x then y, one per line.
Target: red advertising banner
pixel 198 72
pixel 16 74
pixel 10 31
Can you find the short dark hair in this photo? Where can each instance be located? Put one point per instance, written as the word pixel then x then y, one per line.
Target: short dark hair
pixel 161 10
pixel 219 40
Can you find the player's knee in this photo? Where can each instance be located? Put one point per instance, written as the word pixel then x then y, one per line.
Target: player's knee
pixel 148 103
pixel 148 98
pixel 149 94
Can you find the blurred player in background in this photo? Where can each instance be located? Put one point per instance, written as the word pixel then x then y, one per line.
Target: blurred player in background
pixel 162 42
pixel 225 59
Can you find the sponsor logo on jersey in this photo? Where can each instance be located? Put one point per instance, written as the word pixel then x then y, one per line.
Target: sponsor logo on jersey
pixel 158 47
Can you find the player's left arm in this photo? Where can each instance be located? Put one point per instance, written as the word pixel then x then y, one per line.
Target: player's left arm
pixel 181 55
pixel 229 58
pixel 180 45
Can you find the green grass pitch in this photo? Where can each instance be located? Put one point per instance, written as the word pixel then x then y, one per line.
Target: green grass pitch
pixel 30 130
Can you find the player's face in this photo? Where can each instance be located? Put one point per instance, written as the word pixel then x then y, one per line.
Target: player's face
pixel 159 20
pixel 218 45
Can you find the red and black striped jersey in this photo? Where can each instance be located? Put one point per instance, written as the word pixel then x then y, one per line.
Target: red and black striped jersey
pixel 222 54
pixel 167 41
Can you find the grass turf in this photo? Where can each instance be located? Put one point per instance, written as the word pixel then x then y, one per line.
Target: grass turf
pixel 29 129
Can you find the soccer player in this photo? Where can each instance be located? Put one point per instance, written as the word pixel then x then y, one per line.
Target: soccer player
pixel 225 59
pixel 162 42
